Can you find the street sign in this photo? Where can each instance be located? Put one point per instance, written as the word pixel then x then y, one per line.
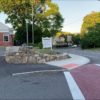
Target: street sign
pixel 47 42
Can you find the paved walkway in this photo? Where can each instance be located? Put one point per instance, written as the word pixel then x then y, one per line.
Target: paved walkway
pixel 73 62
pixel 84 80
pixel 94 56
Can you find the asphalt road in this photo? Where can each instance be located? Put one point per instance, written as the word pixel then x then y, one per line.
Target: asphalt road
pixel 2 51
pixel 94 56
pixel 37 86
pixel 43 86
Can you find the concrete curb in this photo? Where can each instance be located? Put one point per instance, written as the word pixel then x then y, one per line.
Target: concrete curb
pixel 75 59
pixel 78 60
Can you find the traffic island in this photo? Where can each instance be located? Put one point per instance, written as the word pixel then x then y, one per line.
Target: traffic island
pixel 25 55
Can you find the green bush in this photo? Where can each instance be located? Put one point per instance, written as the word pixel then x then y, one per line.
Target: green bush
pixel 90 40
pixel 76 39
pixel 84 43
pixel 40 45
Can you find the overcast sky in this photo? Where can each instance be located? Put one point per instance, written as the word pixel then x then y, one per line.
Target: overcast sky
pixel 73 12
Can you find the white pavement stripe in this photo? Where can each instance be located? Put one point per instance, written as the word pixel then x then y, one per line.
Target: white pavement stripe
pixel 97 64
pixel 41 71
pixel 75 90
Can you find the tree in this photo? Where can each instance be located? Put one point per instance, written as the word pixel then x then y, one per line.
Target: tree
pixel 90 21
pixel 46 17
pixel 92 38
pixel 90 31
pixel 76 39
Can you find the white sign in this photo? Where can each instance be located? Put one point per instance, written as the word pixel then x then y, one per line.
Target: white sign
pixel 47 42
pixel 69 38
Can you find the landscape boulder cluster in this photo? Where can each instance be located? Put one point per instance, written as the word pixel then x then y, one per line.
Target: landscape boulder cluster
pixel 30 55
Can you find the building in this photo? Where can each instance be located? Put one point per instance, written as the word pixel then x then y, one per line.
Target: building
pixel 6 35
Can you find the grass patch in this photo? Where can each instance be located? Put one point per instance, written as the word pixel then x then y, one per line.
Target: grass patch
pixel 46 51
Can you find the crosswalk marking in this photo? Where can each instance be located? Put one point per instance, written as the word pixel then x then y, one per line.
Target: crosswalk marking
pixel 71 65
pixel 97 64
pixel 75 90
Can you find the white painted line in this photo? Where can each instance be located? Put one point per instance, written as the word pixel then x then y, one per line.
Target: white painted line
pixel 75 90
pixel 41 71
pixel 97 64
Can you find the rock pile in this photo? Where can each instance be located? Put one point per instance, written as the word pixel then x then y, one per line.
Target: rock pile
pixel 26 55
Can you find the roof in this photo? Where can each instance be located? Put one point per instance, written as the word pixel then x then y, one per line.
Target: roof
pixel 4 28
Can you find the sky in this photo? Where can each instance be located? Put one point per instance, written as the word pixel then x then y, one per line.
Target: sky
pixel 73 12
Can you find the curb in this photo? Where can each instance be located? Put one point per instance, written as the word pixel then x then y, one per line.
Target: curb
pixel 59 64
pixel 75 59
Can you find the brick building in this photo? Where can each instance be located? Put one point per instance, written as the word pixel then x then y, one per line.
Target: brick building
pixel 6 36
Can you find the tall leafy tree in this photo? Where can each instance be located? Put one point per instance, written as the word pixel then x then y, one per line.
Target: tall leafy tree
pixel 43 10
pixel 90 21
pixel 92 38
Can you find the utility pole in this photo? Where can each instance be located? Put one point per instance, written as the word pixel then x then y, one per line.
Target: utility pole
pixel 32 24
pixel 33 14
pixel 26 21
pixel 27 31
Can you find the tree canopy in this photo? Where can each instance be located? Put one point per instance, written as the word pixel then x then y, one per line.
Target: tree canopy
pixel 90 21
pixel 92 38
pixel 90 32
pixel 19 10
pixel 47 20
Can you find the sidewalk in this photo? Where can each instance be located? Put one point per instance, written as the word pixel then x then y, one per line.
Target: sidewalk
pixel 73 62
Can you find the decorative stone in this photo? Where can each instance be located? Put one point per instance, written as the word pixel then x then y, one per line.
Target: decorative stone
pixel 17 53
pixel 47 59
pixel 38 58
pixel 26 55
pixel 32 59
pixel 36 55
pixel 46 55
pixel 42 61
pixel 25 59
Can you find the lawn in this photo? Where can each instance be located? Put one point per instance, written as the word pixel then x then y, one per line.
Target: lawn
pixel 46 51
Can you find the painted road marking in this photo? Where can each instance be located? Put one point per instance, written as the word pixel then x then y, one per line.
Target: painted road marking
pixel 75 90
pixel 97 64
pixel 41 71
pixel 70 65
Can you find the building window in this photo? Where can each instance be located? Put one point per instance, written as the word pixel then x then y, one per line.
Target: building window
pixel 6 38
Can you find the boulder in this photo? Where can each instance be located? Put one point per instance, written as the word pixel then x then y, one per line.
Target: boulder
pixel 26 55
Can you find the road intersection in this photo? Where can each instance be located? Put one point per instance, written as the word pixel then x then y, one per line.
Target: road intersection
pixel 52 83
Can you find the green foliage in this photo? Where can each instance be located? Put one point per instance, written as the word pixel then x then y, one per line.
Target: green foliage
pixel 90 31
pixel 90 21
pixel 40 45
pixel 92 38
pixel 46 23
pixel 76 39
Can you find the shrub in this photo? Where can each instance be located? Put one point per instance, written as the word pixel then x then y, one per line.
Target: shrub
pixel 76 39
pixel 90 40
pixel 40 45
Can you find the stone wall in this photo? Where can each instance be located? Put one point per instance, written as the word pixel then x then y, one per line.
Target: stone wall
pixel 26 55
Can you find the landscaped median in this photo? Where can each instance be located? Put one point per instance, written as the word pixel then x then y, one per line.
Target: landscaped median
pixel 22 55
